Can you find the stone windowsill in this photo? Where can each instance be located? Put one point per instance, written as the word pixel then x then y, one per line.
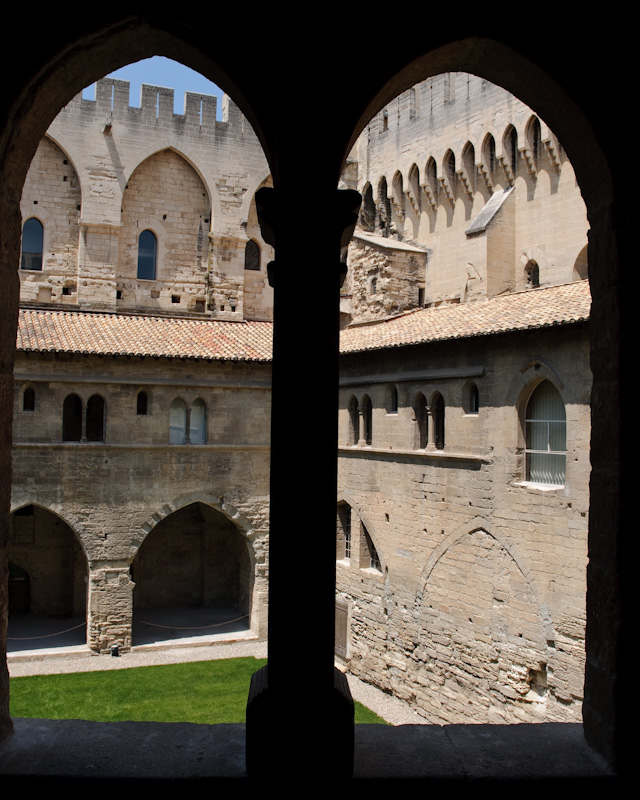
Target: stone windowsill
pixel 444 455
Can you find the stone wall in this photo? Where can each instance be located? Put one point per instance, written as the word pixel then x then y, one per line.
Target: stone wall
pixel 111 495
pixel 418 518
pixel 477 610
pixel 52 175
pixel 386 277
pixel 166 195
pixel 108 171
pixel 433 166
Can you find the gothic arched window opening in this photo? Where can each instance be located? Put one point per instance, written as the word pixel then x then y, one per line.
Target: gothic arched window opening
pixel 147 256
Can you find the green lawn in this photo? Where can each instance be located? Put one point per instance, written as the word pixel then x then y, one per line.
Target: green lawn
pixel 204 691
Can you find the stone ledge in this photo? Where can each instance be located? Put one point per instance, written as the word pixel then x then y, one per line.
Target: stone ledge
pixel 436 455
pixel 76 749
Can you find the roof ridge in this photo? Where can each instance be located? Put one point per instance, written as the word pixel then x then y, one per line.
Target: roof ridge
pixel 137 315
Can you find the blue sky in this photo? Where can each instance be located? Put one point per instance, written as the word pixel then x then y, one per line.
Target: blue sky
pixel 160 71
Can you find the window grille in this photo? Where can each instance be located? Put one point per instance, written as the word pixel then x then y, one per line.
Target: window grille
pixel 546 436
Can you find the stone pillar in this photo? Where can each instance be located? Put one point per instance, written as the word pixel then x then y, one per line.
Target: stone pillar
pixel 362 441
pixel 282 740
pixel 431 429
pixel 98 254
pixel 110 606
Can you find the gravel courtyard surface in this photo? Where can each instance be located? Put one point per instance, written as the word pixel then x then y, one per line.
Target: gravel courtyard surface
pixel 389 708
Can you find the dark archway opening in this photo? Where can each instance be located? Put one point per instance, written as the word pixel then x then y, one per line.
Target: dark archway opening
pixel 193 578
pixel 48 583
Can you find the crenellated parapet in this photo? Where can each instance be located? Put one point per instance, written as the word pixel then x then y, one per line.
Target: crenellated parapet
pixel 186 180
pixel 156 107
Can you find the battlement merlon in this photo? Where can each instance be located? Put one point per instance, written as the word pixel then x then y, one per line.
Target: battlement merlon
pixel 156 106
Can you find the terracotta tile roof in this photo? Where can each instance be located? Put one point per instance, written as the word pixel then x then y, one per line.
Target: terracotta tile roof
pixel 42 330
pixel 535 308
pixel 122 334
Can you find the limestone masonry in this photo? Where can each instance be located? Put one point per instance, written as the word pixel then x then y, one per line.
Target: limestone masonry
pixel 142 390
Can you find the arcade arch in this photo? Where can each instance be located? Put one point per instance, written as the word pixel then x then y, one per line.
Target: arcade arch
pixel 164 242
pixel 195 558
pixel 479 606
pixel 48 580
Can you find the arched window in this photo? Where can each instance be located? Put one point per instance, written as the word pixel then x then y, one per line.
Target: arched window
pixel 343 532
pixel 474 399
pixel 449 169
pixel 252 255
pixel 373 557
pixel 32 244
pixel 367 415
pixel 532 271
pixel 354 428
pixel 534 136
pixel 29 399
pixel 546 436
pixel 198 422
pixel 72 418
pixel 147 256
pixel 469 163
pixel 432 177
pixel 368 209
pixel 398 194
pixel 177 422
pixel 438 412
pixel 414 183
pixel 393 400
pixel 420 409
pixel 384 208
pixel 142 404
pixel 489 157
pixel 510 143
pixel 95 419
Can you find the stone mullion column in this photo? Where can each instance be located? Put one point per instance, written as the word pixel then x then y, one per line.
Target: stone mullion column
pixel 286 736
pixel 362 440
pixel 431 429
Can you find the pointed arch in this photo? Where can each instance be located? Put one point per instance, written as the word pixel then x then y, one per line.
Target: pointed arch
pixel 438 409
pixel 489 160
pixel 415 190
pixel 32 245
pixel 545 436
pixel 368 209
pixel 468 529
pixel 177 421
pixel 421 416
pixel 511 153
pixel 96 418
pixel 48 548
pixel 449 173
pixel 252 255
pixel 367 552
pixel 366 407
pixel 469 167
pixel 147 255
pixel 72 418
pixel 198 422
pixel 533 134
